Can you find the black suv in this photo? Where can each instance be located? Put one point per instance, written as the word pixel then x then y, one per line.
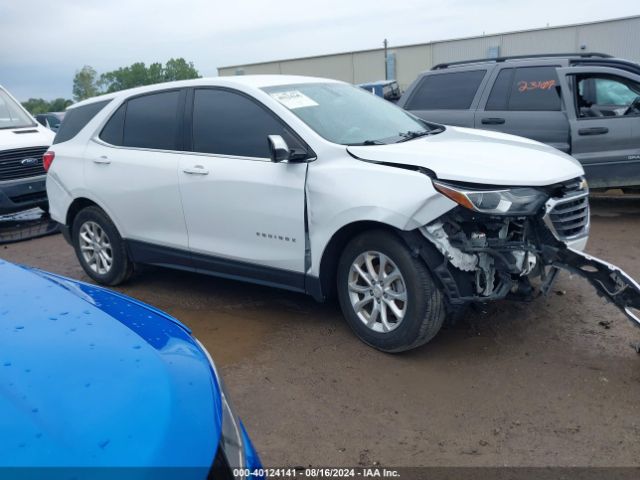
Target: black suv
pixel 587 105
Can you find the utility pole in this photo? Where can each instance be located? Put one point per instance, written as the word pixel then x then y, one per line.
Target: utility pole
pixel 386 65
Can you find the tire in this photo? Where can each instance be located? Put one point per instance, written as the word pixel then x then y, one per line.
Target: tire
pixel 94 219
pixel 423 308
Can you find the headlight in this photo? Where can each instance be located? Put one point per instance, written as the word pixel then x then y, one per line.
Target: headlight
pixel 507 201
pixel 231 442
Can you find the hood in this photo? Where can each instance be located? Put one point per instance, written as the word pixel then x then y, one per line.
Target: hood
pixel 89 377
pixel 478 156
pixel 25 137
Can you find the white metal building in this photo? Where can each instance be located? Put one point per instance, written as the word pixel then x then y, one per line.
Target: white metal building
pixel 618 37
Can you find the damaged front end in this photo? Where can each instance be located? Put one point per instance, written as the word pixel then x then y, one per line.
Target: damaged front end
pixel 497 241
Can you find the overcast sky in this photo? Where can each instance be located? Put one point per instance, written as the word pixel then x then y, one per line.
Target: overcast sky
pixel 44 42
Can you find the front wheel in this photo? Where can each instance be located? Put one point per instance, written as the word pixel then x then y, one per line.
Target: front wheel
pixel 387 296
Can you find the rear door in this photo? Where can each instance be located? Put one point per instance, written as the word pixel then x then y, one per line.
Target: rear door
pixel 245 214
pixel 605 126
pixel 131 169
pixel 446 96
pixel 524 101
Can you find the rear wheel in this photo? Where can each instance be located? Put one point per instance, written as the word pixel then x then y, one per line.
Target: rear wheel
pixel 99 247
pixel 387 296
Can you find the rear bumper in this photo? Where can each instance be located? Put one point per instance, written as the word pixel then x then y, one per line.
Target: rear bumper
pixel 22 194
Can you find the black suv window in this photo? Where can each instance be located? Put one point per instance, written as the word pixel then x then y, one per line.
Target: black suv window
pixel 525 89
pixel 150 121
pixel 76 119
pixel 114 128
pixel 446 91
pixel 229 123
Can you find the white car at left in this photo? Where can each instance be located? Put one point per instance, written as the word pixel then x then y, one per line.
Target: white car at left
pixel 23 142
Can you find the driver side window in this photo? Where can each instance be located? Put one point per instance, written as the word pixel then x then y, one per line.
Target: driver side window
pixel 606 96
pixel 229 123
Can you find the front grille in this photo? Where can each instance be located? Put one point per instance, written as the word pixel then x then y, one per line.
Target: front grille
pixel 568 217
pixel 11 166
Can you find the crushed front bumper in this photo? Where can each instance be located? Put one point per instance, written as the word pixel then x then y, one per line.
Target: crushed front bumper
pixel 609 281
pixel 479 258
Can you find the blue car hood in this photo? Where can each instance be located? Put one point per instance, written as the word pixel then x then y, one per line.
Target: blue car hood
pixel 89 377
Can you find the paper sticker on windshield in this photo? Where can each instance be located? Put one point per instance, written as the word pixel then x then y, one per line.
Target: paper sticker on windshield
pixel 294 99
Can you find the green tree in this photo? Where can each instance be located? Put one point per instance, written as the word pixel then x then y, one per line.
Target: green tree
pixel 36 105
pixel 155 73
pixel 138 74
pixel 59 104
pixel 39 105
pixel 84 83
pixel 179 69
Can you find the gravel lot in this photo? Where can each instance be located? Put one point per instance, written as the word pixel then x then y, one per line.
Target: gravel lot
pixel 553 382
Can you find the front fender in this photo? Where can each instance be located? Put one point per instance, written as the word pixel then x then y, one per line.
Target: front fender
pixel 346 190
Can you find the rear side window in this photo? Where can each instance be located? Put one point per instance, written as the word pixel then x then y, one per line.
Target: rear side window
pixel 76 119
pixel 525 89
pixel 446 91
pixel 114 129
pixel 150 121
pixel 229 123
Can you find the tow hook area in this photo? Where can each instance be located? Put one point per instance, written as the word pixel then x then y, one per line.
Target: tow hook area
pixel 609 281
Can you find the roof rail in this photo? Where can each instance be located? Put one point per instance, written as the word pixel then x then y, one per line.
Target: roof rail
pixel 441 66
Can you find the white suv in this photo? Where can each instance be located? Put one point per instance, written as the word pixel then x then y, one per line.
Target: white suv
pixel 317 186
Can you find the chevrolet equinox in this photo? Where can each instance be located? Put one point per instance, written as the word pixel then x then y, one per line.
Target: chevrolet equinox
pixel 317 186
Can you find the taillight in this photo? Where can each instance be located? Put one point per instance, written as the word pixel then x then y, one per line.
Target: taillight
pixel 47 160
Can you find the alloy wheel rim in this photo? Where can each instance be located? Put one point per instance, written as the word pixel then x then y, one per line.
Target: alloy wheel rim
pixel 377 291
pixel 96 248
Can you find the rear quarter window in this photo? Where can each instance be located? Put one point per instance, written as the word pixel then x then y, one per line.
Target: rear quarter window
pixel 446 91
pixel 76 119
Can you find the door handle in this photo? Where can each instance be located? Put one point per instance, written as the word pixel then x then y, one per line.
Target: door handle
pixel 593 131
pixel 102 160
pixel 493 121
pixel 196 170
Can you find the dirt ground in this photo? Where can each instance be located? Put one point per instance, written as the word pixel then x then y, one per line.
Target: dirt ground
pixel 550 383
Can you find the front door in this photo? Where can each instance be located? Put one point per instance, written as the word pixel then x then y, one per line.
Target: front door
pixel 245 215
pixel 603 106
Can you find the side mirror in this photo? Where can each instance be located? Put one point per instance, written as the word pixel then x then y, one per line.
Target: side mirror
pixel 278 148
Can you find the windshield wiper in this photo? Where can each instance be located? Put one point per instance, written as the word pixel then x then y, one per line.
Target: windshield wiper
pixel 411 134
pixel 366 142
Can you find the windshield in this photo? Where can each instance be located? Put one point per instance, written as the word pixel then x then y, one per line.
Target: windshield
pixel 349 115
pixel 11 114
